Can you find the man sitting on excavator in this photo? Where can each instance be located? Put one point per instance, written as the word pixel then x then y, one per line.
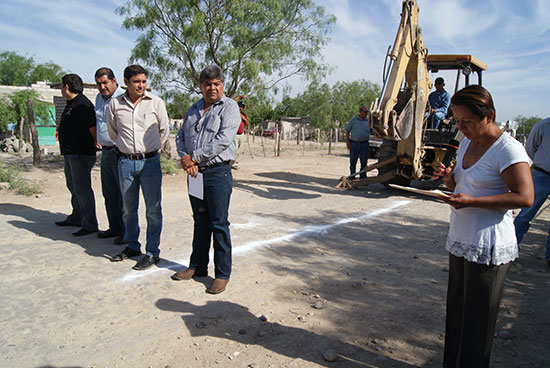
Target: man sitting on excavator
pixel 438 104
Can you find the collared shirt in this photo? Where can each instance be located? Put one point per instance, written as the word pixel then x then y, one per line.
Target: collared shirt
pixel 101 106
pixel 74 129
pixel 244 119
pixel 210 138
pixel 440 101
pixel 359 129
pixel 138 129
pixel 538 144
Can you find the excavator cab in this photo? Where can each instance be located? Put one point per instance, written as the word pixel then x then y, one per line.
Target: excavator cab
pixel 464 65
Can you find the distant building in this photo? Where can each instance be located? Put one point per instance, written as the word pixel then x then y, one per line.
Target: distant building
pixel 288 127
pixel 50 92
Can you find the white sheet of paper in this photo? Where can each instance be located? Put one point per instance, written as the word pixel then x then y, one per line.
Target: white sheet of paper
pixel 195 186
pixel 432 193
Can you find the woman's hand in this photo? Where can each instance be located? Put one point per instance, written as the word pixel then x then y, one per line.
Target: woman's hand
pixel 459 200
pixel 518 179
pixel 446 172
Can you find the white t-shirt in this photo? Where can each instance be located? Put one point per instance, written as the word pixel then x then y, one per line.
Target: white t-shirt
pixel 481 235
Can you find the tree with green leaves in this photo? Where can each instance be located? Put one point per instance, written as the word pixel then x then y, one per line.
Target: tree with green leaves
pixel 179 104
pixel 14 69
pixel 7 113
pixel 290 106
pixel 348 96
pixel 46 72
pixel 256 43
pixel 317 100
pixel 329 106
pixel 17 70
pixel 13 108
pixel 258 109
pixel 525 124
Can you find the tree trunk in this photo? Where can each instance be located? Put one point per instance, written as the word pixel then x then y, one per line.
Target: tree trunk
pixel 166 149
pixel 247 132
pixel 278 141
pixel 329 140
pixel 21 122
pixel 303 141
pixel 262 140
pixel 36 154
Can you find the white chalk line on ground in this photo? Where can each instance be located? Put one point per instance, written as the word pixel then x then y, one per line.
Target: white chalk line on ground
pixel 310 230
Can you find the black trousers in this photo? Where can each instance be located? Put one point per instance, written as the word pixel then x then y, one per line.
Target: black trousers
pixel 473 297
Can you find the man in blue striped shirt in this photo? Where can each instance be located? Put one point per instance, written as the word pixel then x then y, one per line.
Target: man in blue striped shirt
pixel 108 88
pixel 206 144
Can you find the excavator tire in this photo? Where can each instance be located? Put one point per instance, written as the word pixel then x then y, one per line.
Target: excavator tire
pixel 388 149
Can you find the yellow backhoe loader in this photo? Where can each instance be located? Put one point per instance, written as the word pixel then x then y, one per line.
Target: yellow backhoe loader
pixel 409 150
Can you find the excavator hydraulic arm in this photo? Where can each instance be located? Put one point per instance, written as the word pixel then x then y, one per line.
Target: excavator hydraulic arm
pixel 399 111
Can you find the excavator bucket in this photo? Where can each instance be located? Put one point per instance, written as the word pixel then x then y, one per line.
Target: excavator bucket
pixel 405 121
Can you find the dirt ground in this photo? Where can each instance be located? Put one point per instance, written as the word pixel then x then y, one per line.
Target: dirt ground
pixel 358 274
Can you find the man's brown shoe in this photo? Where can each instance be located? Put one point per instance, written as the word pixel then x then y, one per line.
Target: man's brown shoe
pixel 188 274
pixel 217 286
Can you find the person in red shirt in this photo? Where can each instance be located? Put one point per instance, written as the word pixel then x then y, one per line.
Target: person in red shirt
pixel 240 135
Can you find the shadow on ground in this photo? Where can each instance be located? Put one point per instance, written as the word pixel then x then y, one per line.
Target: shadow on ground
pixel 288 185
pixel 216 319
pixel 42 223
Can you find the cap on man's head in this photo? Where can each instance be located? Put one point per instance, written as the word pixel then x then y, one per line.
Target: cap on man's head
pixel 439 80
pixel 241 104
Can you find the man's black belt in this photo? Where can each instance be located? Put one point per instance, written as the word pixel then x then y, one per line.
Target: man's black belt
pixel 108 147
pixel 202 168
pixel 351 140
pixel 541 170
pixel 138 156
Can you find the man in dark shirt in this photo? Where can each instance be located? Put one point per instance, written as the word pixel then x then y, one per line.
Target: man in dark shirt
pixel 77 142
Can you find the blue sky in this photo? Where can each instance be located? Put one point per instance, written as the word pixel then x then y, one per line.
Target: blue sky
pixel 512 37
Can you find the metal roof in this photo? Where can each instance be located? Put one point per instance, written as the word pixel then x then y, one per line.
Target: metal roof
pixel 454 62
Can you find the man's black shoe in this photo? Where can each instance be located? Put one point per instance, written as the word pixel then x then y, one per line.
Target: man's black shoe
pixel 65 223
pixel 125 254
pixel 146 262
pixel 83 232
pixel 107 234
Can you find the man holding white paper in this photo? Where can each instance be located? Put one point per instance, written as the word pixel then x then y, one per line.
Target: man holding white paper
pixel 206 145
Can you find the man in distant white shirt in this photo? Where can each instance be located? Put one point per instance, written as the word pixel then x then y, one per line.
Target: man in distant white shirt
pixel 108 88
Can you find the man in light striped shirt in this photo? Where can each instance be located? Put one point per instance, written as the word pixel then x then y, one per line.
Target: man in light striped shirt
pixel 206 145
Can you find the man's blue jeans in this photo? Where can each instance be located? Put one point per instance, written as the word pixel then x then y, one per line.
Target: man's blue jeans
pixel 78 170
pixel 146 174
pixel 541 182
pixel 211 221
pixel 359 150
pixel 435 119
pixel 111 189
